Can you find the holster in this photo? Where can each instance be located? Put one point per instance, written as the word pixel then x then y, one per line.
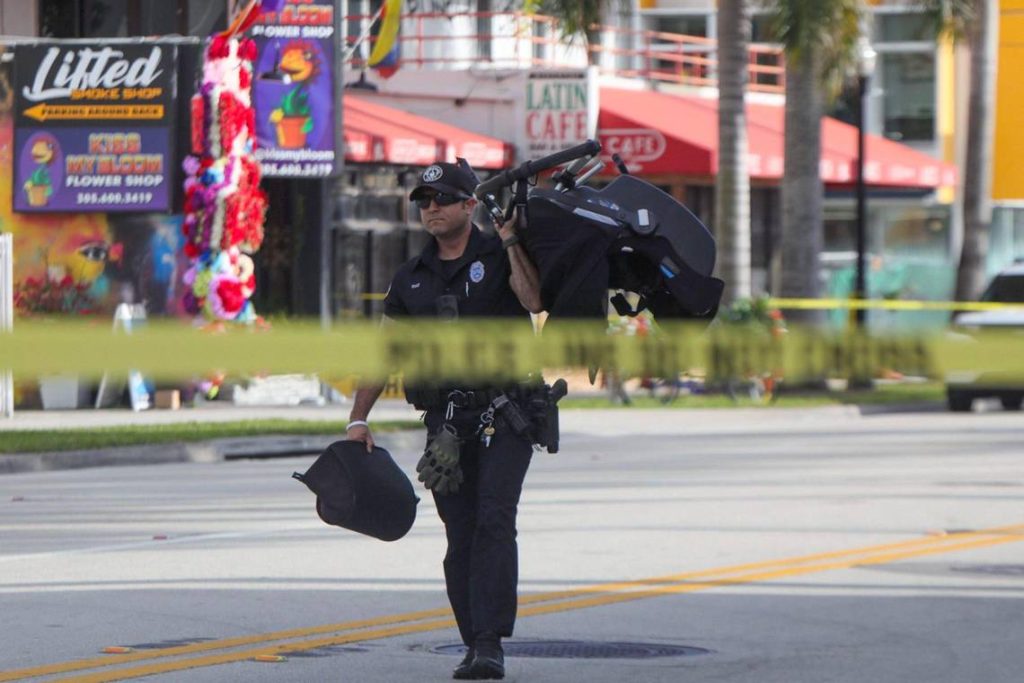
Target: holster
pixel 540 405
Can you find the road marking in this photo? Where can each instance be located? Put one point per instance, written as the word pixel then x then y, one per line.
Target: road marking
pixel 530 605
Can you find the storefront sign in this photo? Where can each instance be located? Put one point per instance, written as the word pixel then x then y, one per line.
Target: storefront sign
pixel 93 126
pixel 557 109
pixel 635 146
pixel 294 90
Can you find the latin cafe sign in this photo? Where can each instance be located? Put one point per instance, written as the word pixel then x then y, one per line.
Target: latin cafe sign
pixel 555 110
pixel 93 126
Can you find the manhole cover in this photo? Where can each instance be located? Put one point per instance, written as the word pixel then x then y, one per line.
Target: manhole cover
pixel 992 569
pixel 583 649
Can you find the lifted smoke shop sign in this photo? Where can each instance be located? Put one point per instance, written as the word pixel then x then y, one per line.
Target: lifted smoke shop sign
pixel 93 126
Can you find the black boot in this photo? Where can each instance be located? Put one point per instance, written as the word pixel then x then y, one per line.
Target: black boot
pixel 461 672
pixel 489 663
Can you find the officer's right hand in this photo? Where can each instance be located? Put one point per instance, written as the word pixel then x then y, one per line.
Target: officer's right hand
pixel 360 433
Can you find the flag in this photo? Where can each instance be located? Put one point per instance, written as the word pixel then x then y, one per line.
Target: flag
pixel 386 48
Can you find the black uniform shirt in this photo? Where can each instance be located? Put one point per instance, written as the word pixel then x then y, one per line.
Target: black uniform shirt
pixel 478 281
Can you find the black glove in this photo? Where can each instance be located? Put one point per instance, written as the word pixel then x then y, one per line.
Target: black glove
pixel 439 467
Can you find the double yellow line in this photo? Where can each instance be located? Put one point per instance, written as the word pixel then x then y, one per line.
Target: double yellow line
pixel 242 648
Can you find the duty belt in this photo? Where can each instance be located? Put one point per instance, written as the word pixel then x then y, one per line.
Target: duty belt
pixel 466 399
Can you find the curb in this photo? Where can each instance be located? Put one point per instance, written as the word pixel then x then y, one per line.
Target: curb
pixel 902 408
pixel 214 450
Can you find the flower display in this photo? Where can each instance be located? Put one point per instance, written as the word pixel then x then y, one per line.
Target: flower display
pixel 224 205
pixel 47 295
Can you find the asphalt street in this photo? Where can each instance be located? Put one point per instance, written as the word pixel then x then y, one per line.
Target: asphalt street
pixel 750 546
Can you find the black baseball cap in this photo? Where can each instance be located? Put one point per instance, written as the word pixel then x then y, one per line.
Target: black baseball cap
pixel 447 178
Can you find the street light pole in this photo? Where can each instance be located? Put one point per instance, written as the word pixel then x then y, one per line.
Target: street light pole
pixel 861 192
pixel 866 59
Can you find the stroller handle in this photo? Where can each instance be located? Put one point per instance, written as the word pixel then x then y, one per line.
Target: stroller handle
pixel 532 168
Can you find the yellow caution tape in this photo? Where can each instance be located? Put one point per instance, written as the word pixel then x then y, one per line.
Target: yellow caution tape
pixel 891 305
pixel 828 304
pixel 495 350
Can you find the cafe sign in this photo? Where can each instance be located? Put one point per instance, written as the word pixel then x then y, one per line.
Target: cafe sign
pixel 93 126
pixel 555 110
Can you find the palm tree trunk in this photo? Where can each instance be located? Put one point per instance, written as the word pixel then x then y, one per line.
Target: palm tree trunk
pixel 802 190
pixel 970 277
pixel 732 185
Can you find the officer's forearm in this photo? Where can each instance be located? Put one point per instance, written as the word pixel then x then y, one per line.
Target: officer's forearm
pixel 366 396
pixel 525 281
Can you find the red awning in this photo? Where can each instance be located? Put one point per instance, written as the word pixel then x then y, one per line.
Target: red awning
pixel 659 133
pixel 375 132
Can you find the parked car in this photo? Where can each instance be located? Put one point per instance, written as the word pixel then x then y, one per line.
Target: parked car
pixel 964 386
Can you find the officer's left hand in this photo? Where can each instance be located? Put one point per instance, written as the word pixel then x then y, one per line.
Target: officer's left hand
pixel 508 228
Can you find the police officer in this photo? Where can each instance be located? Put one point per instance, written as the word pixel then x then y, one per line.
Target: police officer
pixel 475 462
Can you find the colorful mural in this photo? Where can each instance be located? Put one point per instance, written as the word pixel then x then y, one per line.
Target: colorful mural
pixel 86 263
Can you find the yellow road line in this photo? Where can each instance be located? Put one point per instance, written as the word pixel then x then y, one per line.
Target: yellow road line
pixel 603 594
pixel 226 643
pixel 442 612
pixel 597 601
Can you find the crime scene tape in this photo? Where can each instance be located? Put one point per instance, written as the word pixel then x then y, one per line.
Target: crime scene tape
pixel 498 350
pixel 891 305
pixel 854 304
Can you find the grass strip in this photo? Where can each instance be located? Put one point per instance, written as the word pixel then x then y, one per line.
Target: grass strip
pixel 36 441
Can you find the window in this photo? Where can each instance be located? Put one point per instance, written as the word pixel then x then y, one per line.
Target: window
pixel 205 17
pixel 105 18
pixel 903 27
pixel 122 18
pixel 916 232
pixel 159 17
pixel 58 19
pixel 761 29
pixel 1005 289
pixel 908 108
pixel 689 25
pixel 1006 238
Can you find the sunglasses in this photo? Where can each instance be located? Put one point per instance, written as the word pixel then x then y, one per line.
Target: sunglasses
pixel 442 199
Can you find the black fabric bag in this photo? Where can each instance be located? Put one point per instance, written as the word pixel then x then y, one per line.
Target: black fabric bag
pixel 360 491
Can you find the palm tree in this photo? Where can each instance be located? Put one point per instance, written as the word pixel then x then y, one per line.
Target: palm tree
pixel 575 18
pixel 818 38
pixel 732 185
pixel 982 23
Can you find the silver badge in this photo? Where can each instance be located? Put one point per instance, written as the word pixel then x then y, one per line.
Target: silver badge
pixel 432 174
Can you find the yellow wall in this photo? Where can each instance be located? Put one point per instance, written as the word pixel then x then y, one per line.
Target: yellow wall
pixel 1008 172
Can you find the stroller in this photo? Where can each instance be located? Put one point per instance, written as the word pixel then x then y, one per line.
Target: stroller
pixel 628 236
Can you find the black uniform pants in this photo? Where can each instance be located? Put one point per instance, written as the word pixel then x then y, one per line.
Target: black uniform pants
pixel 481 567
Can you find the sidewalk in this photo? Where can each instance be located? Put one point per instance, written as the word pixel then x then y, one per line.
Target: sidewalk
pixel 593 421
pixel 212 411
pixel 213 450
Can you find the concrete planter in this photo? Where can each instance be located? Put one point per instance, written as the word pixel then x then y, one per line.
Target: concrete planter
pixel 62 392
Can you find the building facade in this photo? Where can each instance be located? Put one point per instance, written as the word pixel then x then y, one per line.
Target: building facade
pixel 918 97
